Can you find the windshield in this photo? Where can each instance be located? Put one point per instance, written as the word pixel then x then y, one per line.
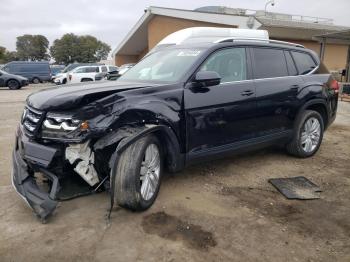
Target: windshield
pixel 163 66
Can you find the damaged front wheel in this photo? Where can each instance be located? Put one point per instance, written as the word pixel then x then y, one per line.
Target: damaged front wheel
pixel 139 174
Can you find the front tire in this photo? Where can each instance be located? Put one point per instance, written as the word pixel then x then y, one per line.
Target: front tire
pixel 139 174
pixel 13 84
pixel 308 135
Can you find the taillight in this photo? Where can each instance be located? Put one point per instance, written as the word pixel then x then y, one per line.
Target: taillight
pixel 335 86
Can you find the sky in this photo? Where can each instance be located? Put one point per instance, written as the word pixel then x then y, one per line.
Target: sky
pixel 111 20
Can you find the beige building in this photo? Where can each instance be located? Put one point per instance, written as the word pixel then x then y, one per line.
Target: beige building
pixel 158 22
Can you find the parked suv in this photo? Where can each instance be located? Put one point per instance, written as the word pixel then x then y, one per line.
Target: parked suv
pixel 89 73
pixel 62 78
pixel 36 72
pixel 181 104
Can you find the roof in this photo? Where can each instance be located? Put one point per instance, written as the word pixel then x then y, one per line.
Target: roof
pixel 340 37
pixel 265 21
pixel 136 40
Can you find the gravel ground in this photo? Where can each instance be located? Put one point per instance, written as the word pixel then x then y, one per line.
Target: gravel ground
pixel 218 211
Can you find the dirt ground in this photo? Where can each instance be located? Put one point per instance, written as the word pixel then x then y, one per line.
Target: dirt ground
pixel 218 211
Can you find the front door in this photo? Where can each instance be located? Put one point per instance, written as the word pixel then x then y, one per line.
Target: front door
pixel 221 115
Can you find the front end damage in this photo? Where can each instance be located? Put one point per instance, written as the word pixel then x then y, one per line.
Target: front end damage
pixel 45 174
pixel 69 139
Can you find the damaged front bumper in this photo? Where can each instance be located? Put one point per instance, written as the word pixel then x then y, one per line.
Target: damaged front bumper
pixel 43 203
pixel 59 165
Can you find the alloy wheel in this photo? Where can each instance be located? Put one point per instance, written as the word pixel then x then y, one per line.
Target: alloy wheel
pixel 310 136
pixel 150 171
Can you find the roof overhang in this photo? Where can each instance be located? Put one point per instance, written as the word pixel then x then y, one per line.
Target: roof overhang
pixel 341 37
pixel 136 41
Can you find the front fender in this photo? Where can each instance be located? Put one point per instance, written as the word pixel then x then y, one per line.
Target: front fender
pixel 128 135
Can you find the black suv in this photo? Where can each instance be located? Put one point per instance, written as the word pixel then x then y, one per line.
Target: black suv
pixel 181 104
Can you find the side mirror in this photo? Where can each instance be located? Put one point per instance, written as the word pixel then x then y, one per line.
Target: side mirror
pixel 207 78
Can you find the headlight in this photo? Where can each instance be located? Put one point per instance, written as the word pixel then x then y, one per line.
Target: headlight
pixel 60 126
pixel 62 123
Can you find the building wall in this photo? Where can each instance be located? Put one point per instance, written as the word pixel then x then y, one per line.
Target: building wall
pixel 161 26
pixel 335 56
pixel 125 59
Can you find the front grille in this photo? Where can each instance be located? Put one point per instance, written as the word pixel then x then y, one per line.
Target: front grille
pixel 31 120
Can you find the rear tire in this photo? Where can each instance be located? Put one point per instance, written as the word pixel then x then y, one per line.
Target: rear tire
pixel 13 84
pixel 308 135
pixel 64 81
pixel 139 173
pixel 36 80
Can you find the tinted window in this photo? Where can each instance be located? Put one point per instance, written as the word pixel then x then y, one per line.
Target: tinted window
pixel 269 63
pixel 290 64
pixel 92 69
pixel 230 64
pixel 113 68
pixel 304 62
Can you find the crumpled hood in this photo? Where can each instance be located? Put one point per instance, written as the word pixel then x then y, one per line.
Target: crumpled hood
pixel 76 95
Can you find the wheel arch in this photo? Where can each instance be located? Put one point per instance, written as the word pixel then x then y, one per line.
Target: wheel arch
pixel 319 106
pixel 86 79
pixel 8 80
pixel 126 135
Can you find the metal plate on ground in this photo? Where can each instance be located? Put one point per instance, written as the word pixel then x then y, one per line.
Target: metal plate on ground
pixel 296 187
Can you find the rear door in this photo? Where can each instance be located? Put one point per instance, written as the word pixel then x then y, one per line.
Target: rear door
pixel 277 84
pixel 221 115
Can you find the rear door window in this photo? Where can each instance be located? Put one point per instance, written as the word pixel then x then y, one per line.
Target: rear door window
pixel 292 70
pixel 92 69
pixel 304 62
pixel 268 63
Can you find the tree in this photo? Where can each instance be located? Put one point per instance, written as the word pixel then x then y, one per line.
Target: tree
pixel 32 47
pixel 7 56
pixel 84 49
pixel 2 53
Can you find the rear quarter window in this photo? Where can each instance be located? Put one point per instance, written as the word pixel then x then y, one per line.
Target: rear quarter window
pixel 268 63
pixel 304 62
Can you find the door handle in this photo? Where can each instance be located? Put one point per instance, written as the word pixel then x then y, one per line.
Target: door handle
pixel 294 87
pixel 247 93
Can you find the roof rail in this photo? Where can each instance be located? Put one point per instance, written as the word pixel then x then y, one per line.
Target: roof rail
pixel 286 43
pixel 231 39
